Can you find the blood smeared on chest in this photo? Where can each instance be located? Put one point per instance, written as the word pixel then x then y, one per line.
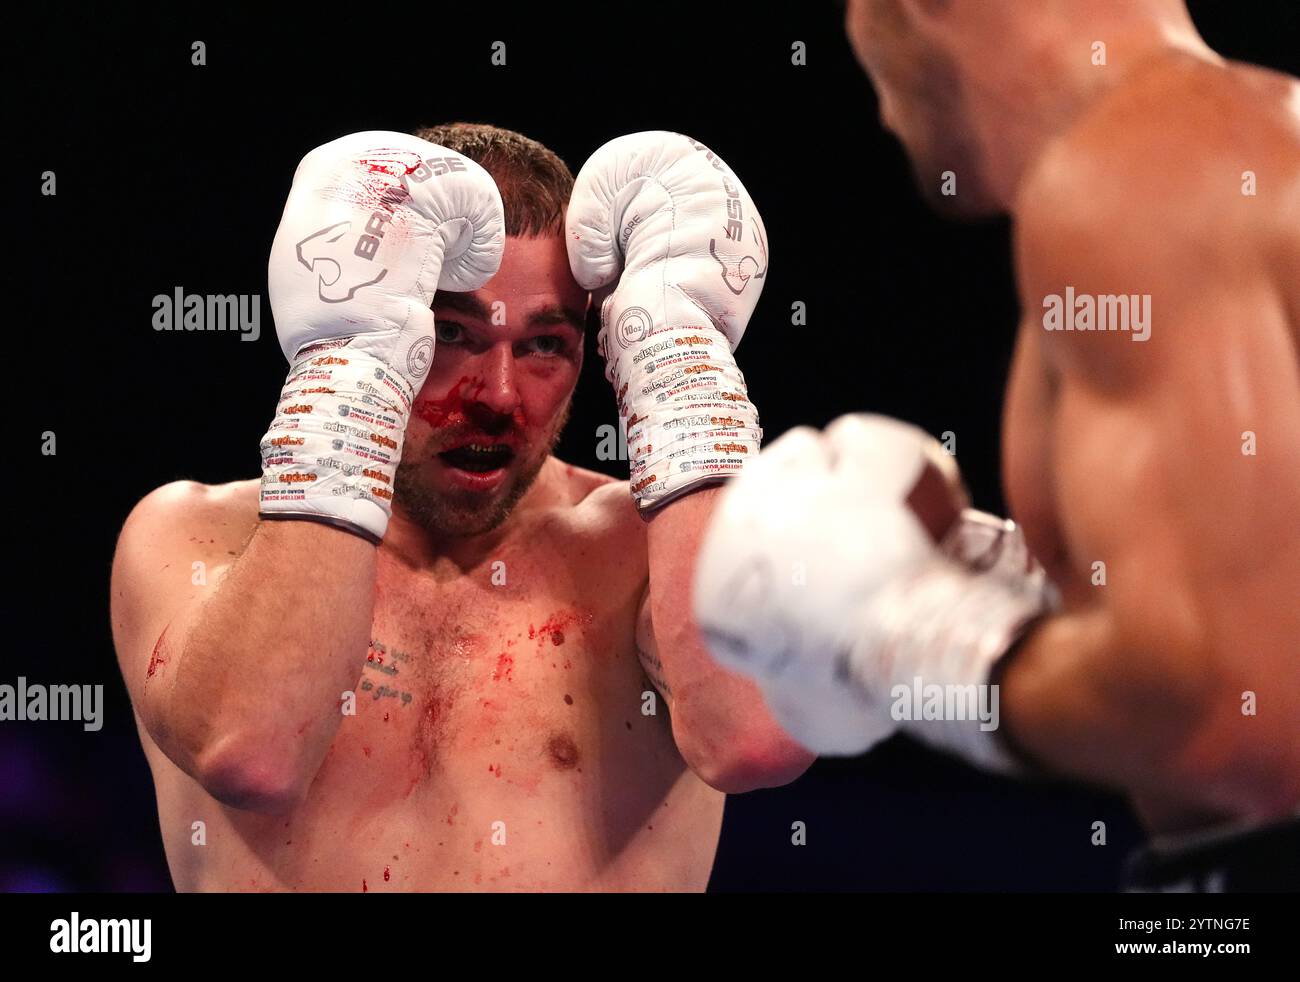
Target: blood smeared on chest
pixel 470 686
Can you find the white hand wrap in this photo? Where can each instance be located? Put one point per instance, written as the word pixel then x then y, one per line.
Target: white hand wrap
pixel 686 409
pixel 332 450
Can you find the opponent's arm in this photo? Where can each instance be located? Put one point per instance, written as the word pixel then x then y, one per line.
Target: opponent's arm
pixel 1142 685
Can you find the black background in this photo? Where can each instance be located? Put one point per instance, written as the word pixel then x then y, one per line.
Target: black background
pixel 174 175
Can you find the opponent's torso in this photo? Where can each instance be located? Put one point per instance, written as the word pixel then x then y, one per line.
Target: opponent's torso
pixel 1059 465
pixel 498 742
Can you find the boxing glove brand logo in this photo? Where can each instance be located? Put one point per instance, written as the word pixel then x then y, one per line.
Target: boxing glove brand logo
pixel 330 266
pixel 315 254
pixel 419 356
pixel 629 228
pixel 368 244
pixel 738 271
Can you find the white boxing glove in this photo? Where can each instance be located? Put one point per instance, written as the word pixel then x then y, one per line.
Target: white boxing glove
pixel 375 223
pixel 834 572
pixel 665 218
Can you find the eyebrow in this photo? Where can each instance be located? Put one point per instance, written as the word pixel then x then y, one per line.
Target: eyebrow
pixel 552 315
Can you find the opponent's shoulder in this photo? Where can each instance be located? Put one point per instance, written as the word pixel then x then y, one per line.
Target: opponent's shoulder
pixel 1190 157
pixel 205 518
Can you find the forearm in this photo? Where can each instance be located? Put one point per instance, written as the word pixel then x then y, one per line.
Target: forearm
pixel 673 533
pixel 719 717
pixel 664 218
pixel 682 664
pixel 1082 697
pixel 254 697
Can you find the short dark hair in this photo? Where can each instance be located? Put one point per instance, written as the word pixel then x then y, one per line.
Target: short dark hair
pixel 535 183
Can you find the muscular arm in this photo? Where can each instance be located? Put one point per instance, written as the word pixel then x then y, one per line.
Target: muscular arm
pixel 720 722
pixel 1142 682
pixel 236 674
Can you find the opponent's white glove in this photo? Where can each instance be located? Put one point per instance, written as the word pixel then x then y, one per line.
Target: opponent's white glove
pixel 843 566
pixel 374 224
pixel 663 216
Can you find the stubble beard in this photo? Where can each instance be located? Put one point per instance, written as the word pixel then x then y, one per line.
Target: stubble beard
pixel 465 514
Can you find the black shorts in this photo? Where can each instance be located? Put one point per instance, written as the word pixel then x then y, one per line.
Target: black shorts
pixel 1263 859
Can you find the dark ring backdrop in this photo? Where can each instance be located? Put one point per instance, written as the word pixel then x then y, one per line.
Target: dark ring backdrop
pixel 171 175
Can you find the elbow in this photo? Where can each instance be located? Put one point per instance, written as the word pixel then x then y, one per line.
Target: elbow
pixel 1244 766
pixel 745 759
pixel 241 774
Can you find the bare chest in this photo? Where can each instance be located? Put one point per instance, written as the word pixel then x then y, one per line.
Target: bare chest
pixel 1027 465
pixel 492 690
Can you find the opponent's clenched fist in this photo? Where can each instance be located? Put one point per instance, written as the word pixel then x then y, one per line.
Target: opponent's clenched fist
pixel 846 563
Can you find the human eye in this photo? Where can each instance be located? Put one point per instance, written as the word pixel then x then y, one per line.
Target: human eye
pixel 547 345
pixel 448 332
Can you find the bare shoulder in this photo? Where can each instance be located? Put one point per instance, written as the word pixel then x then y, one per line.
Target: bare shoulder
pixel 171 529
pixel 1187 152
pixel 210 518
pixel 605 539
pixel 580 482
pixel 1179 193
pixel 598 498
pixel 178 538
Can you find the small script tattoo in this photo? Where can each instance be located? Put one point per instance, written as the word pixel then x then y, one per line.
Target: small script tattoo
pixel 385 660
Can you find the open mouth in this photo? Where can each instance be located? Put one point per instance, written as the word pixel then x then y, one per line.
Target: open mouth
pixel 478 458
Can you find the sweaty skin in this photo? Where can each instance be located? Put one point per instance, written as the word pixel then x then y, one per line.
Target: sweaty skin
pixel 500 739
pixel 1174 462
pixel 1131 453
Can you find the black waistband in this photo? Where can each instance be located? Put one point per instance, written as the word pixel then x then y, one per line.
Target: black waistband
pixel 1263 859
